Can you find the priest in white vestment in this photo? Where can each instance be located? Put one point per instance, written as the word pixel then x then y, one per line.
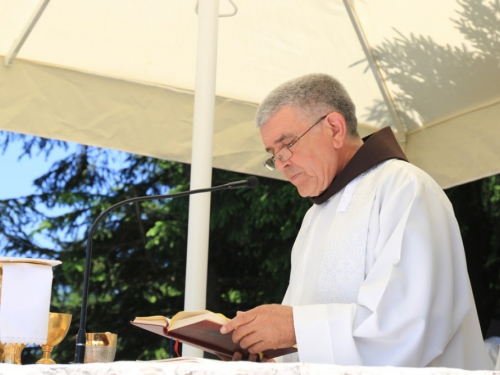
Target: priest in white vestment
pixel 378 274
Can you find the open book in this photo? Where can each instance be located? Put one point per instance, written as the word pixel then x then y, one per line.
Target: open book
pixel 201 330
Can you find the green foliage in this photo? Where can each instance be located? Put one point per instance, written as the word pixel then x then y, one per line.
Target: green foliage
pixel 139 250
pixel 477 208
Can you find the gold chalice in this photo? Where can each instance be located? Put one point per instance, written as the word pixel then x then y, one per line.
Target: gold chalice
pixel 58 328
pixel 12 353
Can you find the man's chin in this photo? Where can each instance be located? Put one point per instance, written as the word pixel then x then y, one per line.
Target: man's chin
pixel 301 185
pixel 302 192
pixel 306 191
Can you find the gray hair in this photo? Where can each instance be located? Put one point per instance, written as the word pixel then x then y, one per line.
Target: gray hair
pixel 311 94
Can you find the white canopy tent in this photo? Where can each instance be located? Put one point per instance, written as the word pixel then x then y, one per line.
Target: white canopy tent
pixel 121 74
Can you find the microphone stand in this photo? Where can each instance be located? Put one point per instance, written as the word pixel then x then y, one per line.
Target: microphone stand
pixel 250 182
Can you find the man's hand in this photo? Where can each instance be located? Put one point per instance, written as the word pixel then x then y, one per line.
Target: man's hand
pixel 264 327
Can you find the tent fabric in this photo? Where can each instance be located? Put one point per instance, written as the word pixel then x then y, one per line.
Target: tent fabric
pixel 120 74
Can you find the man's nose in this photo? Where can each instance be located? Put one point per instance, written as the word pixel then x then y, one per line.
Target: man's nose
pixel 282 165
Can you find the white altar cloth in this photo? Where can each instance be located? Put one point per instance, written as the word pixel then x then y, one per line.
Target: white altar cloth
pixel 213 367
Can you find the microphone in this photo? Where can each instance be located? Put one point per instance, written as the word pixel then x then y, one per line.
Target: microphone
pixel 250 182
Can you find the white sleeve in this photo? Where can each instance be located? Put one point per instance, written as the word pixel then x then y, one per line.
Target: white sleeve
pixel 416 292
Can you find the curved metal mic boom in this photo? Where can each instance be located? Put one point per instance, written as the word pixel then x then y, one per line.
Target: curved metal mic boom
pixel 250 182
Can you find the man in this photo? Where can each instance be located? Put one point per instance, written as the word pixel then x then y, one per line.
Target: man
pixel 378 269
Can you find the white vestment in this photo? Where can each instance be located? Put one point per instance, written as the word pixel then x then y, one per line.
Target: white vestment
pixel 379 277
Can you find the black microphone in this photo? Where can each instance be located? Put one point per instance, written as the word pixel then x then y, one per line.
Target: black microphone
pixel 250 182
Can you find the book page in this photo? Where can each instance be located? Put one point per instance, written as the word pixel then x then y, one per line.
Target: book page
pixel 184 318
pixel 155 319
pixel 188 314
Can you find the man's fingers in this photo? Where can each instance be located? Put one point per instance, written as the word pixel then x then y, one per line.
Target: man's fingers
pixel 249 341
pixel 253 357
pixel 240 319
pixel 228 327
pixel 237 356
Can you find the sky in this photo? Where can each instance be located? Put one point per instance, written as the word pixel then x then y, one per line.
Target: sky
pixel 17 176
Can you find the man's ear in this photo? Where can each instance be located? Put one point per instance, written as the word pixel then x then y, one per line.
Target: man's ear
pixel 336 128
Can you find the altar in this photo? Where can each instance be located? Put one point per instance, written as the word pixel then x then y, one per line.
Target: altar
pixel 195 366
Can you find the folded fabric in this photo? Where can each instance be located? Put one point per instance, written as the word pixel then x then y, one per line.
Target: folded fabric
pixel 25 303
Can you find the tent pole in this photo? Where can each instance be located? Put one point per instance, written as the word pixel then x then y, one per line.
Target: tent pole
pixel 201 162
pixel 389 102
pixel 18 43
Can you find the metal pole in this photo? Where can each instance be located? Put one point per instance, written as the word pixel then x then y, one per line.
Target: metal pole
pixel 389 102
pixel 18 43
pixel 201 162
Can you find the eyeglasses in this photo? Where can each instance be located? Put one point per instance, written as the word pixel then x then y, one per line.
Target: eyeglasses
pixel 285 153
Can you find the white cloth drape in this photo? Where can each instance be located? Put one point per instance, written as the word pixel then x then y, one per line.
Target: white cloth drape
pixel 25 303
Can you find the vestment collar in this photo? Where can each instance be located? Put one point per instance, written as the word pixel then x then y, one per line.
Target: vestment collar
pixel 376 148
